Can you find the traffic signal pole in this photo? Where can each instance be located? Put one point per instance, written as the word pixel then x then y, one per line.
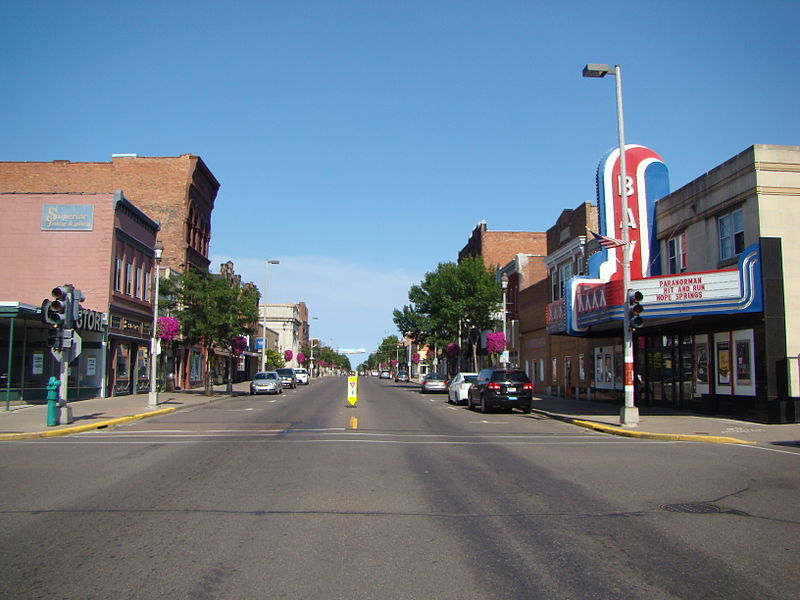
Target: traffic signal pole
pixel 62 312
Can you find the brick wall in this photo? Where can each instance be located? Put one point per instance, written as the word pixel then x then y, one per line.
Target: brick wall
pixel 162 187
pixel 500 247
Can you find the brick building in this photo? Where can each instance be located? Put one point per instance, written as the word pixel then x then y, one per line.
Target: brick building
pixel 103 245
pixel 177 192
pixel 500 247
pixel 519 255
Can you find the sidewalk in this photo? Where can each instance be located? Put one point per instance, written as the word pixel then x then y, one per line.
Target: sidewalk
pixel 662 424
pixel 30 420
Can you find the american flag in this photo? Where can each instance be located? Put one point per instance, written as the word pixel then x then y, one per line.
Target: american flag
pixel 607 242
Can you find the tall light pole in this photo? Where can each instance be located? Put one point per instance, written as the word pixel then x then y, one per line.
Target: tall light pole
pixel 152 396
pixel 629 415
pixel 311 347
pixel 264 314
pixel 504 285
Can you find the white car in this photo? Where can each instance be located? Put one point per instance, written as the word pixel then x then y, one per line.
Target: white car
pixel 301 375
pixel 459 387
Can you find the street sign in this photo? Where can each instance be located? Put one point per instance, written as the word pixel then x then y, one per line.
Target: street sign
pixel 352 390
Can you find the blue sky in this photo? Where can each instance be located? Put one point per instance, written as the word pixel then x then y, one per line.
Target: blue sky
pixel 359 142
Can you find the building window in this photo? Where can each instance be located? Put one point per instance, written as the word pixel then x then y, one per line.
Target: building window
pixel 146 286
pixel 731 234
pixel 559 280
pixel 118 274
pixel 676 253
pixel 128 278
pixel 137 284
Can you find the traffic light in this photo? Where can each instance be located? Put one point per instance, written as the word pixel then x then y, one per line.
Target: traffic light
pixel 75 306
pixel 635 310
pixel 61 310
pixel 54 339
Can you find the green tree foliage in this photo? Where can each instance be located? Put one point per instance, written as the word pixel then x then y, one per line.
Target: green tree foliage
pixel 212 310
pixel 461 296
pixel 274 359
pixel 386 352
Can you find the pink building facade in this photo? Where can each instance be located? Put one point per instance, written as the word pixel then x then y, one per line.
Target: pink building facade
pixel 103 245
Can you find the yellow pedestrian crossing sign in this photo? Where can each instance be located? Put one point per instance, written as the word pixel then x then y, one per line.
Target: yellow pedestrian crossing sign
pixel 352 390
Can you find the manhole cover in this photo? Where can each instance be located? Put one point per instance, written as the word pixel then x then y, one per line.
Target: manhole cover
pixel 693 507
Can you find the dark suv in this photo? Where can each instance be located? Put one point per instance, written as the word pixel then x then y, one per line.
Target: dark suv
pixel 506 388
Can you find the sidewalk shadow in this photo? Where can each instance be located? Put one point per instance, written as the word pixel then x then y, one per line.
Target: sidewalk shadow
pixel 94 415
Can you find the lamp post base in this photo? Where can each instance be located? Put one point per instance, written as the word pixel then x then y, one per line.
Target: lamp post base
pixel 629 416
pixel 152 399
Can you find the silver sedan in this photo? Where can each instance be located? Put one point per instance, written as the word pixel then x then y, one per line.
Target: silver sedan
pixel 434 382
pixel 266 382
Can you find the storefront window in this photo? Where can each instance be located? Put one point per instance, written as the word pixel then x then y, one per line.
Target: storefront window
pixel 195 367
pixel 122 380
pixel 142 370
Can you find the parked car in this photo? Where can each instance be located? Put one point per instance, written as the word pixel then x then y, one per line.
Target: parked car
pixel 503 388
pixel 287 377
pixel 433 382
pixel 266 382
pixel 301 375
pixel 459 387
pixel 386 375
pixel 401 376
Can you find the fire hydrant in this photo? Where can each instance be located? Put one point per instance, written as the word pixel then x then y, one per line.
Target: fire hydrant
pixel 52 401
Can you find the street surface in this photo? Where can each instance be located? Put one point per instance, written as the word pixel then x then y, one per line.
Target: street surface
pixel 401 497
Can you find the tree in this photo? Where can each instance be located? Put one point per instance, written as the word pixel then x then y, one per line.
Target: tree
pixel 274 359
pixel 212 311
pixel 456 296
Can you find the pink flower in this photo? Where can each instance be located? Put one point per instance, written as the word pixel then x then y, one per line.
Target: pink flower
pixel 238 345
pixel 167 328
pixel 495 342
pixel 287 355
pixel 301 358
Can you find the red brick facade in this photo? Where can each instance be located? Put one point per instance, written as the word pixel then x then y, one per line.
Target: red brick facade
pixel 179 192
pixel 500 247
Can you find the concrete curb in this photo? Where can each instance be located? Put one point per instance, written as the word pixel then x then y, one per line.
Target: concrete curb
pixel 81 428
pixel 671 437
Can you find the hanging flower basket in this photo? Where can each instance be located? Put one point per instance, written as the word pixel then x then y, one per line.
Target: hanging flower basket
pixel 167 328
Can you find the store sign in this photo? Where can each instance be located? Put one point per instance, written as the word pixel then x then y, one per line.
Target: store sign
pixel 67 217
pixel 91 320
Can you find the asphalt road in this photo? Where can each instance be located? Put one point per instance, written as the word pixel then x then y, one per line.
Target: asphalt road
pixel 401 497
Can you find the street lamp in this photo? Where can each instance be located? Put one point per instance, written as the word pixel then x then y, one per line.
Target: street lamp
pixel 152 396
pixel 629 415
pixel 504 285
pixel 311 346
pixel 264 321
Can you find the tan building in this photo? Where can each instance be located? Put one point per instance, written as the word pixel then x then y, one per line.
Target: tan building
pixel 736 224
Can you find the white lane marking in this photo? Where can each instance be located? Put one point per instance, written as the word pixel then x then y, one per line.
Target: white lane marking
pixel 207 440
